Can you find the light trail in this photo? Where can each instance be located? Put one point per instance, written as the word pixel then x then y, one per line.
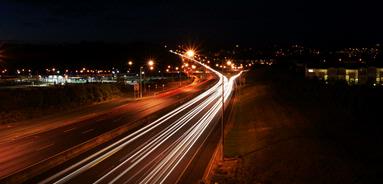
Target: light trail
pixel 209 101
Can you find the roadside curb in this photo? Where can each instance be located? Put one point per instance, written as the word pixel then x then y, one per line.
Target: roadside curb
pixel 212 164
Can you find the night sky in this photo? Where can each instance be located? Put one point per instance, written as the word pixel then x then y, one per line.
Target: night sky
pixel 257 21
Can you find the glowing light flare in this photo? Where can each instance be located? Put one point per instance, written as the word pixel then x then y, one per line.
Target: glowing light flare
pixel 190 53
pixel 150 62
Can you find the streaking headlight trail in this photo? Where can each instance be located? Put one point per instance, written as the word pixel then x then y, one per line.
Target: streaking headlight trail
pixel 155 152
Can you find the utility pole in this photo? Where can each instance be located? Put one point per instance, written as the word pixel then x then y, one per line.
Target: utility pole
pixel 179 77
pixel 222 118
pixel 141 69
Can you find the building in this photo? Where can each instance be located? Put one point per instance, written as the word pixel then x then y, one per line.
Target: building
pixel 351 75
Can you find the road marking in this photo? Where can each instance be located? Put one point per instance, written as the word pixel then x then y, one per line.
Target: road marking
pixel 69 130
pixel 87 131
pixel 44 147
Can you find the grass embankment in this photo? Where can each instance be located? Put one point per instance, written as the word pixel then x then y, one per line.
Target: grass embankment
pixel 23 103
pixel 288 130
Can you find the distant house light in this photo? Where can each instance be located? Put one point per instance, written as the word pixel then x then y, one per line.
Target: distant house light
pixel 311 70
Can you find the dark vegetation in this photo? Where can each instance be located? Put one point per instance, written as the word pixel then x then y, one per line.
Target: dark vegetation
pixel 21 103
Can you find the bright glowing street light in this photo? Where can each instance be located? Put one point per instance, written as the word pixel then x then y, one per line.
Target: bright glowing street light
pixel 228 62
pixel 151 63
pixel 130 63
pixel 151 68
pixel 190 53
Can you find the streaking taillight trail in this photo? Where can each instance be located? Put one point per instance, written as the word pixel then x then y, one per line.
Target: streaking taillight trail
pixel 203 110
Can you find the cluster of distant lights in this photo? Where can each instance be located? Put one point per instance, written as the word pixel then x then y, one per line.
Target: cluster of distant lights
pixel 151 66
pixel 191 54
pixel 18 71
pixel 83 71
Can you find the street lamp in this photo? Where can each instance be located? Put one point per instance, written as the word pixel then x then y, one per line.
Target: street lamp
pixel 223 108
pixel 150 62
pixel 140 86
pixel 151 67
pixel 130 63
pixel 190 53
pixel 222 118
pixel 228 62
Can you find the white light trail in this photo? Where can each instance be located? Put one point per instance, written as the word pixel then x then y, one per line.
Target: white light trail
pixel 175 151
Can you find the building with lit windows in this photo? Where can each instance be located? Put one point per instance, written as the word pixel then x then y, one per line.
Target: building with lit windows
pixel 351 75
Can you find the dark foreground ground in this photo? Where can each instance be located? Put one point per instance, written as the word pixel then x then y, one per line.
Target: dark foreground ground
pixel 288 130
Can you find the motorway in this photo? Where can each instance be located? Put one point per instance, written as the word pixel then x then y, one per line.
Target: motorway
pixel 20 153
pixel 159 152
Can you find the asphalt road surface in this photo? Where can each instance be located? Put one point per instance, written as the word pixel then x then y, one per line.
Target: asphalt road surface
pixel 20 153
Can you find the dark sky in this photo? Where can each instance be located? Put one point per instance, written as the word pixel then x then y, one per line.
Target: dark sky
pixel 257 21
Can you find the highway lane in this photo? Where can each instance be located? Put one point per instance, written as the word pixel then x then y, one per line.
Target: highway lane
pixel 158 152
pixel 21 153
pixel 123 161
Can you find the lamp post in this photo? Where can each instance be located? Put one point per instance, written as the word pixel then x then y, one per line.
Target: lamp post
pixel 140 88
pixel 151 67
pixel 229 63
pixel 222 118
pixel 141 85
pixel 179 76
